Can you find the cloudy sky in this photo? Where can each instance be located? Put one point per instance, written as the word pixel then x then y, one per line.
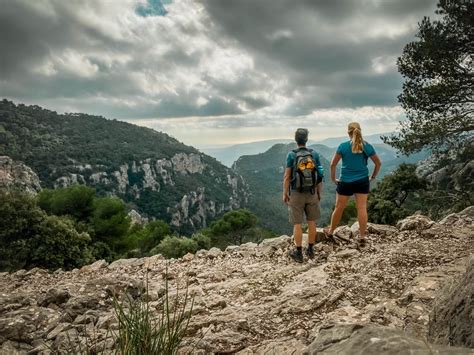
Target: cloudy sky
pixel 212 71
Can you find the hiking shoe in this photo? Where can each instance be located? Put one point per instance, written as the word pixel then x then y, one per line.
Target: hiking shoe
pixel 309 253
pixel 362 242
pixel 296 255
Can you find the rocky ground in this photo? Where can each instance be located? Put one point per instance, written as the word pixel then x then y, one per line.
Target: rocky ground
pixel 402 291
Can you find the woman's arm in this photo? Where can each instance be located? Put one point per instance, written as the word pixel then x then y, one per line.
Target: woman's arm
pixel 375 158
pixel 334 162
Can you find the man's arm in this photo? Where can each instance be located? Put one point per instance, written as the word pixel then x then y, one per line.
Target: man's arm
pixel 286 185
pixel 319 189
pixel 334 162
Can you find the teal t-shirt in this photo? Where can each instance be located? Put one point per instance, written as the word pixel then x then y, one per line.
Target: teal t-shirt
pixel 354 165
pixel 290 160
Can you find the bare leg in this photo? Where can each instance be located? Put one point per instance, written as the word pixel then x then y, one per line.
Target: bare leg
pixel 298 234
pixel 361 205
pixel 341 202
pixel 311 232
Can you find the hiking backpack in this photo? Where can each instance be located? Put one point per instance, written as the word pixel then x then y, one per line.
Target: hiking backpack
pixel 304 174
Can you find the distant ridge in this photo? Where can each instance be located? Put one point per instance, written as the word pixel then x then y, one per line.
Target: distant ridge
pixel 227 155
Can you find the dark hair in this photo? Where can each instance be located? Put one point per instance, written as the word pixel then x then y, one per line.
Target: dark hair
pixel 301 136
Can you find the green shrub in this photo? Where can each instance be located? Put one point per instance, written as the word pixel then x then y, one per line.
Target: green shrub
pixel 175 247
pixel 232 228
pixel 30 238
pixel 397 195
pixel 75 201
pixel 110 222
pixel 203 241
pixel 154 233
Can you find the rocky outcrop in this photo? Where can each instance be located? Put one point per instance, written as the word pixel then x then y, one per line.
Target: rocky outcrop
pixel 17 175
pixel 136 179
pixel 136 218
pixel 373 340
pixel 251 299
pixel 452 318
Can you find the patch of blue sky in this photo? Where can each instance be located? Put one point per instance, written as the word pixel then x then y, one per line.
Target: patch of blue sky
pixel 153 8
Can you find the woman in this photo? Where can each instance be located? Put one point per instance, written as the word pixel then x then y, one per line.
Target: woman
pixel 354 178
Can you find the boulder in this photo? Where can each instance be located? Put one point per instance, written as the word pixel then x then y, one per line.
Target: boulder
pixel 415 222
pixel 347 253
pixel 214 253
pixel 202 253
pixel 280 346
pixel 232 248
pixel 269 246
pixel 451 321
pixel 373 228
pixel 344 232
pixel 463 218
pixel 372 340
pixel 124 263
pixel 54 296
pixel 99 264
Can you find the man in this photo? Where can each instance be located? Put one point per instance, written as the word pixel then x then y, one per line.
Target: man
pixel 302 184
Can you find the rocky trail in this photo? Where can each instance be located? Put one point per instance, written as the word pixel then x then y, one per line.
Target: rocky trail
pixel 411 286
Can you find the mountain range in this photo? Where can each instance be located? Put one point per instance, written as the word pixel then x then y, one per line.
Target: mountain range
pixel 227 155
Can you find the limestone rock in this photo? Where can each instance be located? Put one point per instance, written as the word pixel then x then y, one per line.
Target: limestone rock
pixel 96 266
pixel 214 253
pixel 347 253
pixel 136 218
pixel 372 340
pixel 463 218
pixel 269 246
pixel 344 231
pixel 54 296
pixel 451 321
pixel 415 222
pixel 18 175
pixel 253 299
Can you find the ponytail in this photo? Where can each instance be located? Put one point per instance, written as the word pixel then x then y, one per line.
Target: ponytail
pixel 355 133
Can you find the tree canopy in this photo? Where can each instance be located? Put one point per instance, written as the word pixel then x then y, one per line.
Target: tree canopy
pixel 438 70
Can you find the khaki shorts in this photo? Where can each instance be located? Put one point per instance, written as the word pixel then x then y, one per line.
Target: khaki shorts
pixel 301 204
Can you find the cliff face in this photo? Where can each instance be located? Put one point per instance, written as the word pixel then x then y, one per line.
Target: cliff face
pixel 136 181
pixel 251 299
pixel 157 175
pixel 17 175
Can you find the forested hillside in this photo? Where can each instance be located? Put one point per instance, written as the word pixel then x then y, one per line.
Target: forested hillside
pixel 153 172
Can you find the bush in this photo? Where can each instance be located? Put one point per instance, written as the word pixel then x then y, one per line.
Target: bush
pixel 175 247
pixel 58 245
pixel 154 232
pixel 203 241
pixel 30 238
pixel 110 222
pixel 232 228
pixel 75 201
pixel 396 195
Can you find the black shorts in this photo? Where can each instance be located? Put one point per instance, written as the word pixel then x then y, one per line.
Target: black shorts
pixel 354 187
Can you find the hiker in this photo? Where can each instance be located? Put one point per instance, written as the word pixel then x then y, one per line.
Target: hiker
pixel 354 179
pixel 302 184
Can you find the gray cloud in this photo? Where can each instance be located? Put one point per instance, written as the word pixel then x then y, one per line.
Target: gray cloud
pixel 239 58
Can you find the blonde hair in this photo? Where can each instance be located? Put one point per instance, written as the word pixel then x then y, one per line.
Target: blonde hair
pixel 355 133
